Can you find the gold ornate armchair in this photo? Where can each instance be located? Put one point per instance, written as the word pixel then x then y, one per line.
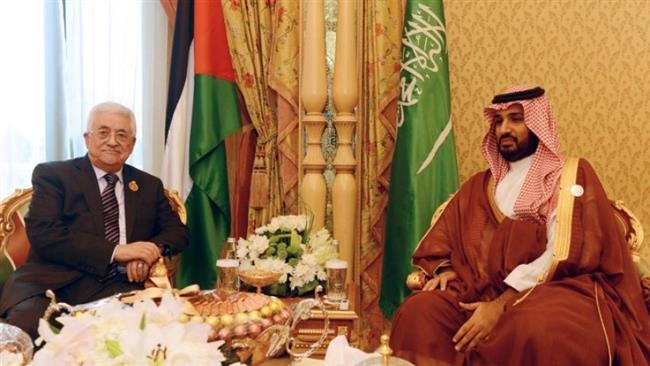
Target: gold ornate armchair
pixel 179 207
pixel 14 244
pixel 628 222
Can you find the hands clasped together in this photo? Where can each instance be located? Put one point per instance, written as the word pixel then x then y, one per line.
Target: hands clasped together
pixel 485 314
pixel 138 258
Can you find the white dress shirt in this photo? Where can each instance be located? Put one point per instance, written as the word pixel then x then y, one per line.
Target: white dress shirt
pixel 524 276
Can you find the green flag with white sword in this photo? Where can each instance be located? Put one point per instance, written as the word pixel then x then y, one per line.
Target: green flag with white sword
pixel 424 171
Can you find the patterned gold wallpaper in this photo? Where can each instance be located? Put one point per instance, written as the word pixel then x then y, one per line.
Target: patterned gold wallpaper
pixel 592 57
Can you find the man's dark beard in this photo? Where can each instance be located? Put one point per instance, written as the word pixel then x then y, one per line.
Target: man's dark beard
pixel 521 151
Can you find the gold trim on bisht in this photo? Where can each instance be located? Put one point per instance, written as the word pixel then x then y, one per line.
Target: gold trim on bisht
pixel 434 219
pixel 564 217
pixel 500 216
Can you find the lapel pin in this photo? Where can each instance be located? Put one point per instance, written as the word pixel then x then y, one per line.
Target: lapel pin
pixel 133 186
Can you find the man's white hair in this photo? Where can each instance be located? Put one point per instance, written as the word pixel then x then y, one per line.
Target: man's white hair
pixel 111 107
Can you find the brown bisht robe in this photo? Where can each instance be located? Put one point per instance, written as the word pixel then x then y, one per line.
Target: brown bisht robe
pixel 559 322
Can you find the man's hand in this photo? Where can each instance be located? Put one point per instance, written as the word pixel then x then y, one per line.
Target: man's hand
pixel 137 271
pixel 440 280
pixel 145 251
pixel 479 326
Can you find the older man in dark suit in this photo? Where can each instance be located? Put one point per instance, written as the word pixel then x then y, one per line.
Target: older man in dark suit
pixel 96 225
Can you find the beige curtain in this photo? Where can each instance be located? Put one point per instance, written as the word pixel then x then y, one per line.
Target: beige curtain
pixel 267 79
pixel 381 47
pixel 283 79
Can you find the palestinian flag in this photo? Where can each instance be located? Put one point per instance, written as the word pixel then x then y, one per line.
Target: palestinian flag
pixel 202 109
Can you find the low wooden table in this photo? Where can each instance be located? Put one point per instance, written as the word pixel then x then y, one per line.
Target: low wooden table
pixel 342 322
pixel 284 361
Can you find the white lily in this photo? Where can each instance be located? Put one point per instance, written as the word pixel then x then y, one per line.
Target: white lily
pixel 123 335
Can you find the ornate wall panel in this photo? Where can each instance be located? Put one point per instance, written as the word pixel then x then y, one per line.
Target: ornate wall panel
pixel 593 58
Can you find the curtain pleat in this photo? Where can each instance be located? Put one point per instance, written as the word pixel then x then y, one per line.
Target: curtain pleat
pixel 380 50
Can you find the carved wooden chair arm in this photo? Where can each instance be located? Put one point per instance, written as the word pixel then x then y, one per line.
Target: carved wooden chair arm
pixel 416 280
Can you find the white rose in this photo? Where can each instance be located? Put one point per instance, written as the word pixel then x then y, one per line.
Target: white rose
pixel 309 259
pixel 274 226
pixel 242 252
pixel 320 238
pixel 301 223
pixel 258 245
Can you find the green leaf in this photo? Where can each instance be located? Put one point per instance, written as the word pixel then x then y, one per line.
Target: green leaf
pixel 305 237
pixel 277 289
pixel 296 239
pixel 279 237
pixel 309 286
pixel 54 329
pixel 292 251
pixel 295 252
pixel 143 321
pixel 113 347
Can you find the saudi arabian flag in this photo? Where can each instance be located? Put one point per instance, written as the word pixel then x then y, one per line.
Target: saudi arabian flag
pixel 424 171
pixel 202 109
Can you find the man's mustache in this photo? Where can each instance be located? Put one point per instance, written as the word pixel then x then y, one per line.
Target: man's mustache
pixel 508 135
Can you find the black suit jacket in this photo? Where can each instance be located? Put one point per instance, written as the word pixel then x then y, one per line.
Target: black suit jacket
pixel 65 226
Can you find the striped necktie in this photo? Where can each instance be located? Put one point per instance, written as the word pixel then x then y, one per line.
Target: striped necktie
pixel 111 218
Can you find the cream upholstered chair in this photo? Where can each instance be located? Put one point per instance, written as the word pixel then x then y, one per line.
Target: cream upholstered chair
pixel 14 244
pixel 628 222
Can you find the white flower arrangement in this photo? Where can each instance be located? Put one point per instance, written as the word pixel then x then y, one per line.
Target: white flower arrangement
pixel 140 335
pixel 284 246
pixel 285 223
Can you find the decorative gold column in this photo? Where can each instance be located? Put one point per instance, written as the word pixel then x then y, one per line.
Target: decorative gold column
pixel 345 97
pixel 313 189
